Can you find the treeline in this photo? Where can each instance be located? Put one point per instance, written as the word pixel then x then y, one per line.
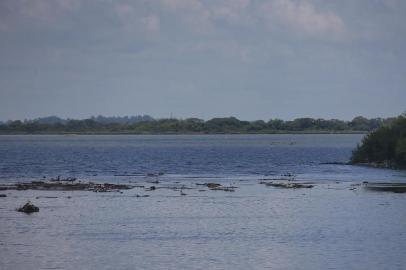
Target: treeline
pixel 148 125
pixel 128 120
pixel 385 147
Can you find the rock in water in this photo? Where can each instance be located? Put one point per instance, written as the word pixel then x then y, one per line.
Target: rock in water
pixel 212 185
pixel 28 208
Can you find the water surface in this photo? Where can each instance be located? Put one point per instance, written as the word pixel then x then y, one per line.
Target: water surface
pixel 335 225
pixel 109 158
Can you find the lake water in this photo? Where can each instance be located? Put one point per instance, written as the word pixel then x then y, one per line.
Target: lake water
pixel 119 158
pixel 335 225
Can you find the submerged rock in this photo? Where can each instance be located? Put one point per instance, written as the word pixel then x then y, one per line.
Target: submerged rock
pixel 28 208
pixel 3 195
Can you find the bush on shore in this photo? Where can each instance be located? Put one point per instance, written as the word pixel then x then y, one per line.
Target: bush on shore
pixel 384 147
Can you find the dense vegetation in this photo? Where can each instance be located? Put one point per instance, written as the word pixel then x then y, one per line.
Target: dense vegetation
pixel 384 147
pixel 148 125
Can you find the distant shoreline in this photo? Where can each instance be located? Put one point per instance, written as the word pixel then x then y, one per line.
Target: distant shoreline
pixel 190 126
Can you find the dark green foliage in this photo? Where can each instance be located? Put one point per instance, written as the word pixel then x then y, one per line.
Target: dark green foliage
pixel 385 146
pixel 400 151
pixel 148 125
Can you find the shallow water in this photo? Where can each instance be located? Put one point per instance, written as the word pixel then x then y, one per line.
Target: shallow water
pixel 335 225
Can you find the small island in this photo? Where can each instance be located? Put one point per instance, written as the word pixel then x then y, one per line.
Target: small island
pixel 385 147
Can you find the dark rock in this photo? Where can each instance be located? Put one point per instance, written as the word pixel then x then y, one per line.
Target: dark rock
pixel 212 185
pixel 3 195
pixel 28 208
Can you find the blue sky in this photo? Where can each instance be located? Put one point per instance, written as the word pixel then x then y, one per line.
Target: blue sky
pixel 253 59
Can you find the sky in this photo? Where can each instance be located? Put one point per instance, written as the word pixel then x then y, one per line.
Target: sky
pixel 253 59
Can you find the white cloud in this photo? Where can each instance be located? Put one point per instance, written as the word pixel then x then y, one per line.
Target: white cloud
pixel 203 16
pixel 124 10
pixel 15 13
pixel 183 4
pixel 391 4
pixel 302 17
pixel 134 22
pixel 152 23
pixel 233 11
pixel 228 49
pixel 298 16
pixel 193 13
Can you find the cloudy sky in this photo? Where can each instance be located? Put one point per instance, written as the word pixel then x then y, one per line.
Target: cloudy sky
pixel 254 59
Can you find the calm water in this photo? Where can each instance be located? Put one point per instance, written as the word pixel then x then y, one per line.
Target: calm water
pixel 120 158
pixel 334 225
